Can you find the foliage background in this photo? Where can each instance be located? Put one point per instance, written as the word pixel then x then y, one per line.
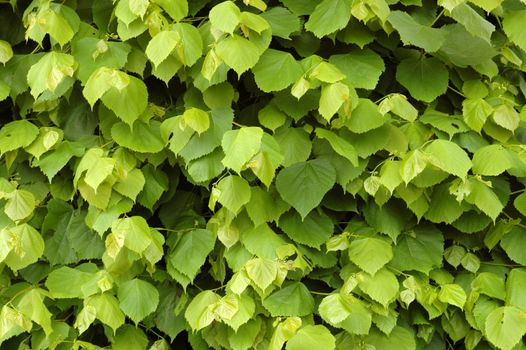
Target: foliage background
pixel 311 174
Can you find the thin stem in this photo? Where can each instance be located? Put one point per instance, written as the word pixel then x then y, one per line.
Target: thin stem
pixel 319 293
pixel 437 17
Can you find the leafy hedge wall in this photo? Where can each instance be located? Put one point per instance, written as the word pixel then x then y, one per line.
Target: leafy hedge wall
pixel 311 174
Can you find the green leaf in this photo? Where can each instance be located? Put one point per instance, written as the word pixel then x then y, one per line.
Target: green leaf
pixel 262 272
pixel 20 205
pixel 329 16
pixel 198 314
pixel 140 137
pixel 489 284
pixel 398 104
pixel 161 46
pixel 31 304
pixel 129 337
pixel 423 252
pixel 238 53
pixel 381 287
pixel 225 16
pixel 133 232
pixel 304 184
pixel 312 337
pixel 190 47
pixel 370 254
pixel 452 294
pixel 515 284
pixel 291 300
pixel 138 299
pixel 513 27
pixel 365 117
pixel 191 251
pixel 107 309
pixel 282 21
pixel 339 144
pixel 361 67
pixel 17 134
pixel 295 145
pixel 24 246
pixel 400 338
pixel 475 112
pixel 449 157
pixel 505 326
pixel 267 160
pixel 312 230
pixel 233 192
pixel 49 72
pixel 413 163
pixel 512 244
pixel 335 308
pixel 177 9
pixel 66 282
pixel 472 21
pixel 240 146
pixel 491 160
pixel 413 33
pixel 196 119
pixel 6 51
pixel 484 198
pixel 273 61
pixel 332 98
pixel 425 78
pixel 463 49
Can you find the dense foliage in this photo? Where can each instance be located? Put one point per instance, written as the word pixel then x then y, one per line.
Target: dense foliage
pixel 311 174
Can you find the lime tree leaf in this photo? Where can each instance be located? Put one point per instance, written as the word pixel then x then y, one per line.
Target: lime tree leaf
pixel 49 72
pixel 107 309
pixel 361 67
pixel 225 16
pixel 238 53
pixel 191 251
pixel 142 137
pixel 240 146
pixel 328 17
pixel 511 243
pixel 474 23
pixel 505 326
pixel 382 287
pixel 449 157
pixel 365 117
pixel 413 33
pixel 128 335
pixel 423 252
pixel 304 184
pixel 491 160
pixel 196 119
pixel 413 163
pixel 291 300
pixel 267 160
pixel 515 284
pixel 295 145
pixel 254 22
pixel 190 48
pixel 161 46
pixel 31 304
pixel 138 299
pixel 134 232
pixel 370 254
pixel 20 205
pixel 234 192
pixel 513 25
pixel 66 282
pixel 452 294
pixel 261 271
pixel 443 206
pixel 332 98
pixel 124 94
pixel 53 162
pixel 334 308
pixel 398 104
pixel 425 78
pixel 198 313
pixel 400 338
pixel 312 230
pixel 273 61
pixel 26 243
pixel 17 134
pixel 339 145
pixel 312 338
pixel 475 112
pixel 464 49
pixel 282 21
pixel 484 198
pixel 177 9
pixel 6 51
